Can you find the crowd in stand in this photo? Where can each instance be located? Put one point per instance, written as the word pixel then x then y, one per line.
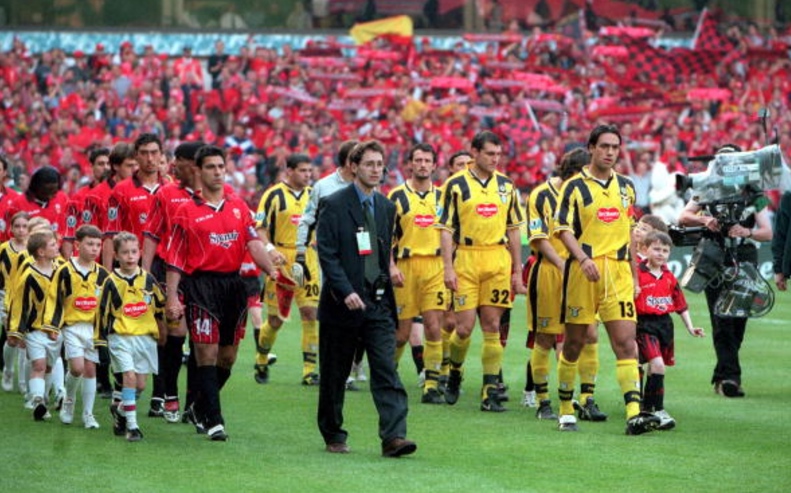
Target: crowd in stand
pixel 541 91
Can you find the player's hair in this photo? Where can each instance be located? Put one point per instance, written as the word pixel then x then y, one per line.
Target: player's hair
pixel 37 223
pixel 4 162
pixel 97 152
pixel 20 215
pixel 294 160
pixel 655 222
pixel 38 240
pixel 572 162
pixel 208 151
pixel 423 147
pixel 147 138
pixel 657 236
pixel 120 153
pixel 88 231
pixel 123 237
pixel 344 150
pixel 600 130
pixel 457 155
pixel 46 175
pixel 187 150
pixel 370 145
pixel 481 138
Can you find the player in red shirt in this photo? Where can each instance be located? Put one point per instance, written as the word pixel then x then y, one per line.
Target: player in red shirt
pixel 6 196
pixel 208 241
pixel 122 165
pixel 42 198
pixel 100 162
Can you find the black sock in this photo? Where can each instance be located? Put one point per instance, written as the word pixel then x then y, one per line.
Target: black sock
pixel 417 357
pixel 209 395
pixel 173 354
pixel 654 395
pixel 223 374
pixel 159 378
pixel 530 386
pixel 192 372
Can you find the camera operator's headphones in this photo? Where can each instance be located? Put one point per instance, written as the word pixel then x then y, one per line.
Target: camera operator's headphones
pixel 728 148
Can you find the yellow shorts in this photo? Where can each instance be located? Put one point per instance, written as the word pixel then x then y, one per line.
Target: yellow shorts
pixel 544 287
pixel 424 287
pixel 484 277
pixel 307 295
pixel 612 296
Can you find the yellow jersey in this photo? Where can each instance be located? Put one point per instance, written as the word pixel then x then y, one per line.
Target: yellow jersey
pixel 9 264
pixel 27 311
pixel 416 216
pixel 129 306
pixel 73 297
pixel 541 208
pixel 279 213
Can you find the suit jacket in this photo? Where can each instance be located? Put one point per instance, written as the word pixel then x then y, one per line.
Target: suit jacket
pixel 343 268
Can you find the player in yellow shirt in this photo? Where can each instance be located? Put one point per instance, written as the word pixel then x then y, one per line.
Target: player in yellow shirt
pixel 71 308
pixel 594 220
pixel 26 326
pixel 416 266
pixel 278 216
pixel 10 251
pixel 480 221
pixel 131 320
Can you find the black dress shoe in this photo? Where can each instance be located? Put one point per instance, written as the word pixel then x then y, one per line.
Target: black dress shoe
pixel 337 448
pixel 396 447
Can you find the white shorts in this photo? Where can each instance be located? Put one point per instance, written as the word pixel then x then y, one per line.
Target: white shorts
pixel 2 308
pixel 133 353
pixel 78 340
pixel 40 346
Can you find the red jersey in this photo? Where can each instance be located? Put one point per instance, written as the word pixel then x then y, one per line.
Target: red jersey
pixel 94 210
pixel 210 238
pixel 163 207
pixel 74 210
pixel 658 295
pixel 7 195
pixel 53 211
pixel 128 207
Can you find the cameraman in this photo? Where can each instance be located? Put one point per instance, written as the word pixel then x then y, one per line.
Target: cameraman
pixel 739 240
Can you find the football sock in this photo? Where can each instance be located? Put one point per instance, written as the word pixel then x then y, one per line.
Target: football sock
pixel 174 350
pixel 209 395
pixel 265 342
pixel 223 374
pixel 36 387
pixel 310 346
pixel 129 407
pixel 445 351
pixel 458 350
pixel 654 395
pixel 628 379
pixel 567 374
pixel 88 395
pixel 8 357
pixel 530 384
pixel 432 357
pixel 539 361
pixel 491 358
pixel 72 383
pixel 58 374
pixel 588 367
pixel 417 357
pixel 158 389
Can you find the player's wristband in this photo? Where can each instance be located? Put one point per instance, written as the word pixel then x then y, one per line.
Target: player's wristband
pixel 270 247
pixel 583 260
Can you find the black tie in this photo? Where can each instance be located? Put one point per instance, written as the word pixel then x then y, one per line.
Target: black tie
pixel 372 259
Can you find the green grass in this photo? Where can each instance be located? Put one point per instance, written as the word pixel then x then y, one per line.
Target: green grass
pixel 720 445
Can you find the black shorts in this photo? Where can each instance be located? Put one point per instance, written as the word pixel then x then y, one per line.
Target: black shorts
pixel 655 337
pixel 215 307
pixel 252 286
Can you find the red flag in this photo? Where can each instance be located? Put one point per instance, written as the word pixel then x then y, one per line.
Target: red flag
pixel 707 37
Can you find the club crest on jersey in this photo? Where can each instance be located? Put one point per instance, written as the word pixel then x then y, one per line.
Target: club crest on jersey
pixel 112 213
pixel 223 239
pixel 486 210
pixel 439 210
pixel 424 220
pixel 544 321
pixel 71 221
pixel 624 198
pixel 503 193
pixel 536 224
pixel 574 311
pixel 147 298
pixel 86 216
pixel 142 218
pixel 237 213
pixel 2 225
pixel 608 214
pixel 259 216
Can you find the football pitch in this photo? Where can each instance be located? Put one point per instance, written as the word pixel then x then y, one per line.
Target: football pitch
pixel 718 445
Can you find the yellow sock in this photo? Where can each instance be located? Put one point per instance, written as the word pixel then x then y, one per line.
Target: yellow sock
pixel 310 346
pixel 491 353
pixel 567 374
pixel 266 339
pixel 432 358
pixel 629 380
pixel 539 361
pixel 588 367
pixel 458 350
pixel 399 352
pixel 445 351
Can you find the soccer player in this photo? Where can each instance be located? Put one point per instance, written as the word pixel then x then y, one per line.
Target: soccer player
pixel 100 164
pixel 127 210
pixel 130 321
pixel 660 294
pixel 278 215
pixel 42 198
pixel 416 267
pixel 71 309
pixel 325 187
pixel 594 220
pixel 207 246
pixel 27 330
pixel 545 280
pixel 10 253
pixel 156 235
pixel 480 221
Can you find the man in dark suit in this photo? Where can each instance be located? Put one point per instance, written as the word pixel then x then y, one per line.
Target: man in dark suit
pixel 354 233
